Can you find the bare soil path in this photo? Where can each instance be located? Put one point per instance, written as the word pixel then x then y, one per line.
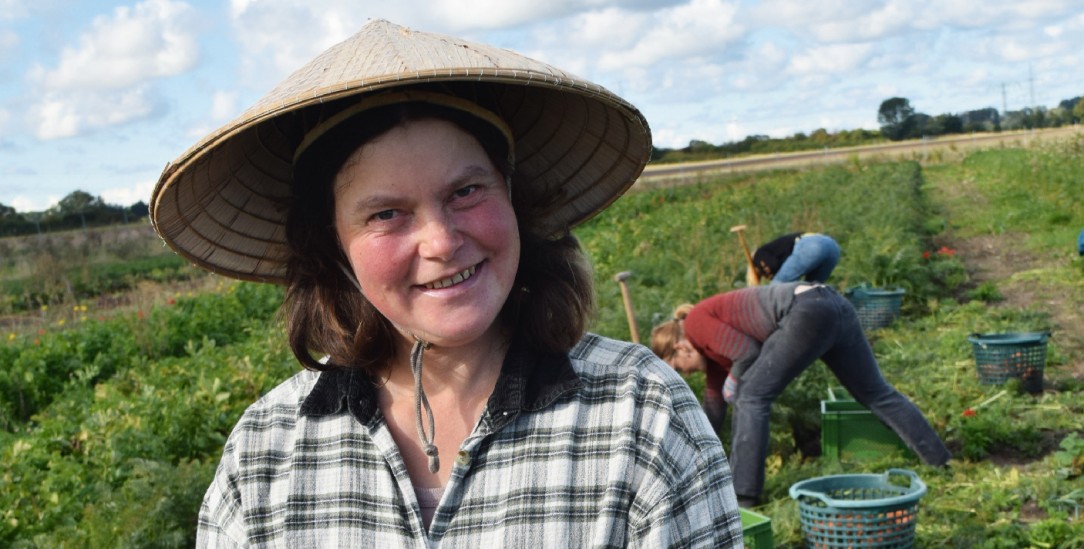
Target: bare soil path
pixel 1001 259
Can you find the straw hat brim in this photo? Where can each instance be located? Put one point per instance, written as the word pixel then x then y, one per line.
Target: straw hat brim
pixel 223 203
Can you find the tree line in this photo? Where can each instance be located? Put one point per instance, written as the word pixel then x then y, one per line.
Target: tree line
pixel 78 210
pixel 899 120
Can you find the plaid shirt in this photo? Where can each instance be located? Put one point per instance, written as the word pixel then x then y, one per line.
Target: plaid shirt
pixel 603 447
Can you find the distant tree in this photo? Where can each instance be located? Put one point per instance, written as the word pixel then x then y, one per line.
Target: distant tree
pixel 74 210
pixel 895 118
pixel 948 124
pixel 1058 117
pixel 919 125
pixel 1078 111
pixel 699 146
pixel 140 209
pixel 981 120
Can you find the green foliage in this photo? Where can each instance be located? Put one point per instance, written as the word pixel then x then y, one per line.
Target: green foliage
pixel 986 291
pixel 125 462
pixel 112 428
pixel 91 280
pixel 42 368
pixel 1069 459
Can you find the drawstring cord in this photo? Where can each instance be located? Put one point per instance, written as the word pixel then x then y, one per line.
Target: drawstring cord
pixel 419 401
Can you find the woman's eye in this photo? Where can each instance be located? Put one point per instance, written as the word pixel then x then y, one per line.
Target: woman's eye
pixel 465 191
pixel 386 215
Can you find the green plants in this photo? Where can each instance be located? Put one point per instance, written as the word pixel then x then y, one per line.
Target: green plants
pixel 1069 458
pixel 986 291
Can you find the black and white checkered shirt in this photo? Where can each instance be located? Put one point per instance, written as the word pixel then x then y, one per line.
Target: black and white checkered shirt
pixel 604 447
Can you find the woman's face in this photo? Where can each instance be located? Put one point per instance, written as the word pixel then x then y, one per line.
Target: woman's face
pixel 686 358
pixel 427 225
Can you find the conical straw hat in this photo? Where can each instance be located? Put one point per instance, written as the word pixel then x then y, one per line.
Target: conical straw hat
pixel 223 203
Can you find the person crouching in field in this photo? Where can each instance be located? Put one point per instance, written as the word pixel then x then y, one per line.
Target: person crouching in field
pixel 754 341
pixel 792 257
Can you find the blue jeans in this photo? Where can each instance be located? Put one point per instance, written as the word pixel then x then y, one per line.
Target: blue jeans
pixel 813 259
pixel 820 324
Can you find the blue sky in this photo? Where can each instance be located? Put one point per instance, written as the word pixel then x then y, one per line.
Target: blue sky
pixel 99 95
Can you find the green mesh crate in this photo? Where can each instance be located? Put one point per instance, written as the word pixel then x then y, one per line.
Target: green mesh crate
pixel 757 530
pixel 876 307
pixel 1020 355
pixel 850 432
pixel 859 511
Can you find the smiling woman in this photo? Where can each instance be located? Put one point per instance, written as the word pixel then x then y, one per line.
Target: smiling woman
pixel 415 193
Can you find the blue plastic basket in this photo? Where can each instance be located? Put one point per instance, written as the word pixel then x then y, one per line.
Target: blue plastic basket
pixel 1020 355
pixel 859 511
pixel 876 307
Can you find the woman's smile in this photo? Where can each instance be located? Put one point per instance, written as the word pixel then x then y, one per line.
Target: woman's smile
pixel 452 280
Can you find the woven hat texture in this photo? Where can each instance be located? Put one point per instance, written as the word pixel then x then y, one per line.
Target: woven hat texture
pixel 223 203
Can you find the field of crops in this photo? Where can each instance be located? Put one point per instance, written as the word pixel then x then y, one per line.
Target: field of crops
pixel 112 420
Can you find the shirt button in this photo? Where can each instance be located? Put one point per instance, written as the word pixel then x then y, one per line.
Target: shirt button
pixel 463 458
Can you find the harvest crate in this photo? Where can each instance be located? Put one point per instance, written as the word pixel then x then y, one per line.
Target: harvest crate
pixel 859 511
pixel 1000 357
pixel 876 307
pixel 757 530
pixel 850 432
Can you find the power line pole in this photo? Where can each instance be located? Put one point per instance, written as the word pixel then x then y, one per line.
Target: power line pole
pixel 1031 85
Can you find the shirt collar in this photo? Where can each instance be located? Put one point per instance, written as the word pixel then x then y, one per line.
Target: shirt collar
pixel 529 381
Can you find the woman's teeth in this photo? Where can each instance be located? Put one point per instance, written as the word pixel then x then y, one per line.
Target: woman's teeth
pixel 455 279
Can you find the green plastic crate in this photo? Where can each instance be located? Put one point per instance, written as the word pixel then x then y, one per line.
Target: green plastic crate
pixel 850 432
pixel 757 530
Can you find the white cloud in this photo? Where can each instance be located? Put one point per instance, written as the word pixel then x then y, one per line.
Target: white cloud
pixel 106 79
pixel 126 196
pixel 223 109
pixel 223 106
pixel 494 14
pixel 59 115
pixel 134 45
pixel 278 38
pixel 23 203
pixel 697 29
pixel 828 60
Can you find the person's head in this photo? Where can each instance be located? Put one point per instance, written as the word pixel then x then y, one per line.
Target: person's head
pixel 426 188
pixel 765 264
pixel 669 343
pixel 278 195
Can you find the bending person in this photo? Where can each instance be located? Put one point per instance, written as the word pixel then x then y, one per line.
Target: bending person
pixel 754 341
pixel 796 256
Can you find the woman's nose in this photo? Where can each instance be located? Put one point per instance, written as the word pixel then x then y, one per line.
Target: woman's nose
pixel 440 238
